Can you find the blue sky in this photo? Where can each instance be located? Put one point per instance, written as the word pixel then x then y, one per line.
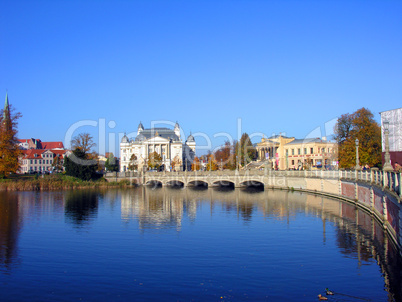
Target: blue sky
pixel 279 66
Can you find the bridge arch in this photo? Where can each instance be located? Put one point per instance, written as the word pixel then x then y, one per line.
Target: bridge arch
pixel 252 183
pixel 154 183
pixel 224 183
pixel 175 183
pixel 197 183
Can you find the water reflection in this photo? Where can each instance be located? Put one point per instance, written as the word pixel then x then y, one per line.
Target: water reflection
pixel 10 226
pixel 357 234
pixel 81 206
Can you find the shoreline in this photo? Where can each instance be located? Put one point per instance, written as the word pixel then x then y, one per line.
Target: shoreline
pixel 57 182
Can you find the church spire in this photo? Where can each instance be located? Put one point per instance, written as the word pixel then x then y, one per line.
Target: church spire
pixel 6 111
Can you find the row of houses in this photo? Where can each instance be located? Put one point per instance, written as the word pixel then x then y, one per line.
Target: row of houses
pixel 38 156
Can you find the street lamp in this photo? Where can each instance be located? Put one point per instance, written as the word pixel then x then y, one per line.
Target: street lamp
pixel 387 165
pixel 221 165
pixel 357 154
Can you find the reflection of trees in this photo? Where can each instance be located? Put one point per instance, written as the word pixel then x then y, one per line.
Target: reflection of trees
pixel 10 225
pixel 81 205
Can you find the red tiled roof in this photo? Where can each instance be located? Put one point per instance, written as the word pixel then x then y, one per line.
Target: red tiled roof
pixel 52 145
pixel 30 154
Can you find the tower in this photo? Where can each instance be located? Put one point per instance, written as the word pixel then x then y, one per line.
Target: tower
pixel 6 113
pixel 140 128
pixel 177 129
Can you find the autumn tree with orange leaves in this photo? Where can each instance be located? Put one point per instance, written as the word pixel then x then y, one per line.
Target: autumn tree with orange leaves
pixel 360 125
pixel 226 156
pixel 196 164
pixel 9 149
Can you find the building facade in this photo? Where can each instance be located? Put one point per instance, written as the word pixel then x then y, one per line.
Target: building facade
pixel 41 161
pixel 394 119
pixel 285 153
pixel 41 157
pixel 168 143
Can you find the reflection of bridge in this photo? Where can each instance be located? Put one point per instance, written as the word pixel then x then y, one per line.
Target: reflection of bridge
pixel 375 191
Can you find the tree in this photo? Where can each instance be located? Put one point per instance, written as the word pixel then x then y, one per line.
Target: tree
pixel 79 165
pixel 360 125
pixel 244 150
pixel 111 164
pixel 211 163
pixel 57 164
pixel 176 163
pixel 133 165
pixel 196 165
pixel 154 160
pixel 226 156
pixel 9 149
pixel 83 141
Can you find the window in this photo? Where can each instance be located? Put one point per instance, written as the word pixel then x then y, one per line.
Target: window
pixel 293 162
pixel 305 150
pixel 298 151
pixel 323 150
pixel 293 152
pixel 30 162
pixel 287 152
pixel 35 163
pixel 311 150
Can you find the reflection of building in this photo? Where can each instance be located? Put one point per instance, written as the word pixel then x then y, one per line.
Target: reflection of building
pixel 290 153
pixel 164 141
pixel 161 208
pixel 394 118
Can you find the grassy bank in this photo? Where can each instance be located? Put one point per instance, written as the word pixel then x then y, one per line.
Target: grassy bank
pixel 54 182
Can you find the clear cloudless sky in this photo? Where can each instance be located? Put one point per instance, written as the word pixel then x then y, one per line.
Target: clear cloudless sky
pixel 278 66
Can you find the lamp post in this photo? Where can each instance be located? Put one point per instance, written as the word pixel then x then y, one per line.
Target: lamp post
pixel 357 167
pixel 221 165
pixel 387 165
pixel 237 162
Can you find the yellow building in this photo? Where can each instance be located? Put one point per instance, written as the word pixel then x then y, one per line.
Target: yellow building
pixel 285 153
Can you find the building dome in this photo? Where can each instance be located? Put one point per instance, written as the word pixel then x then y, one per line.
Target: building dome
pixel 124 139
pixel 140 138
pixel 190 138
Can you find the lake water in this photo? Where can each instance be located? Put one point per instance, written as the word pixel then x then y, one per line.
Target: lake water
pixel 164 244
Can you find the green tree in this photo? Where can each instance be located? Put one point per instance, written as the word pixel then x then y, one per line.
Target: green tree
pixel 133 165
pixel 79 165
pixel 154 160
pixel 244 150
pixel 360 125
pixel 9 149
pixel 111 164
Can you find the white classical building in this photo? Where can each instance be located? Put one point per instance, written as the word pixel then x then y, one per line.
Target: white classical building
pixel 164 141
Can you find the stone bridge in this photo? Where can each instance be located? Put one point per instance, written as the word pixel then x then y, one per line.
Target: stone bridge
pixel 237 179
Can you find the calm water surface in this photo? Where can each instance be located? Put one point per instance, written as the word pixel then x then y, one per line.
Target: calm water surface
pixel 191 245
